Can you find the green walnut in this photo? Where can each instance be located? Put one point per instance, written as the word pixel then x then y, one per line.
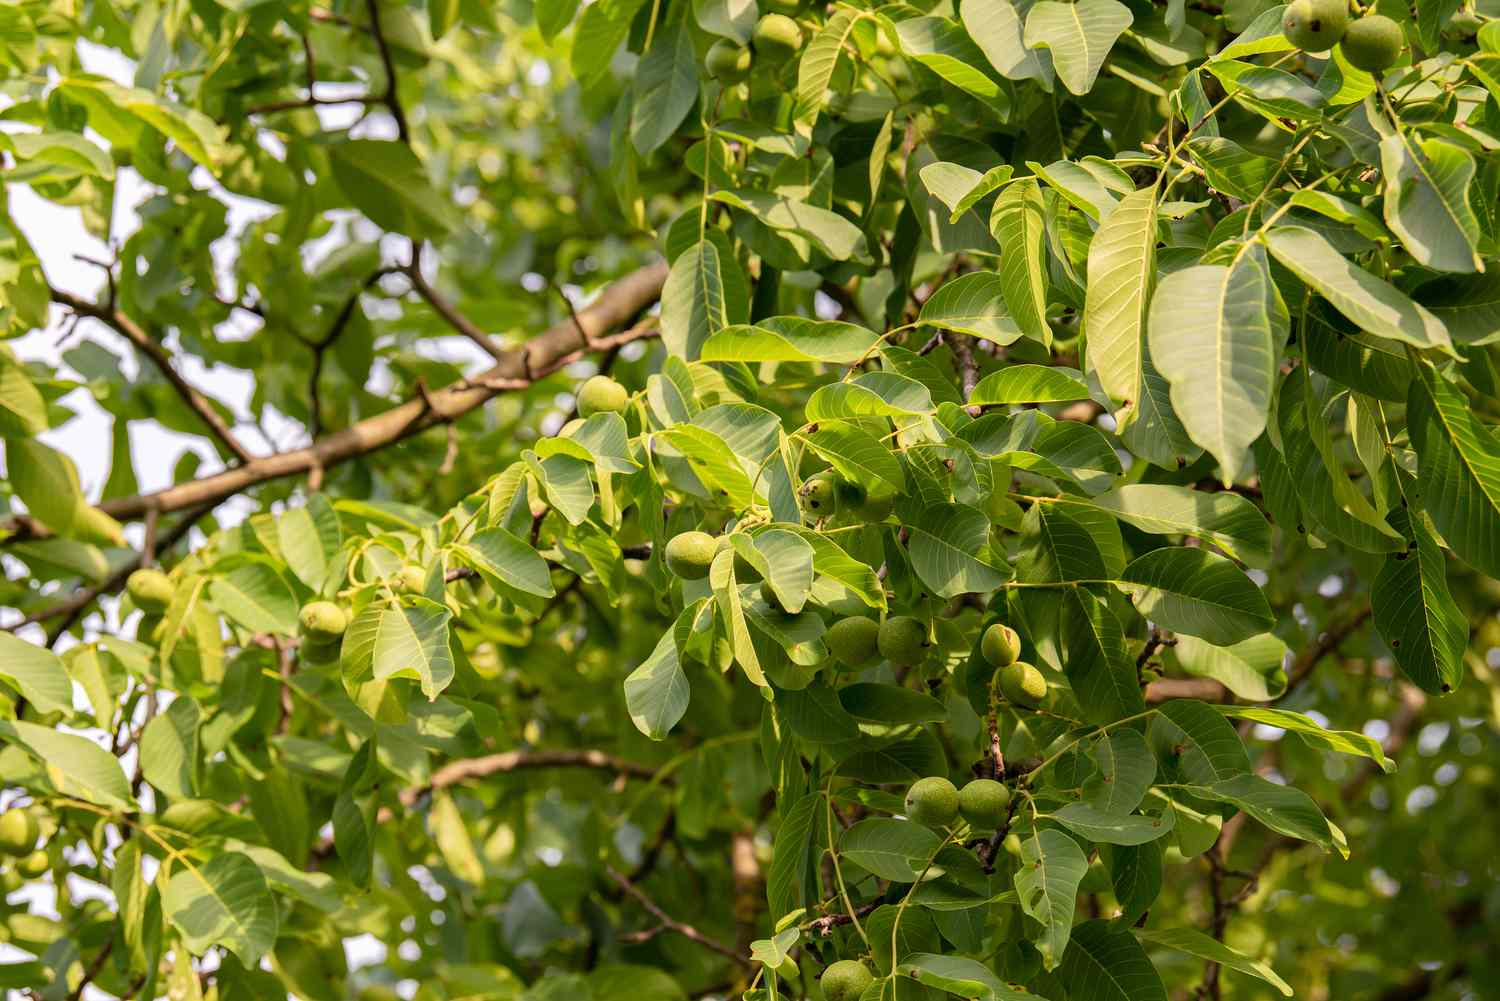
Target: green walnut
pixel 1000 645
pixel 1023 684
pixel 777 37
pixel 820 495
pixel 18 832
pixel 860 506
pixel 412 579
pixel 854 641
pixel 727 62
pixel 1315 25
pixel 984 803
pixel 932 801
pixel 845 980
pixel 151 590
pixel 689 554
pixel 322 621
pixel 1373 43
pixel 33 865
pixel 902 640
pixel 602 395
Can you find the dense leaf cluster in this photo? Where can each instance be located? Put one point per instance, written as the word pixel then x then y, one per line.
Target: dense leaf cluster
pixel 908 577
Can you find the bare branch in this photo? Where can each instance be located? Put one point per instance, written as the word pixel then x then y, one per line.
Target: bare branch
pixel 143 342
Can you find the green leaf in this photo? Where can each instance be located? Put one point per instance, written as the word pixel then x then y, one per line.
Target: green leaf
pixel 387 182
pixel 665 87
pixel 1210 749
pixel 255 595
pixel 1216 335
pixel 23 412
pixel 1018 226
pixel 834 235
pixel 1230 521
pixel 1126 770
pixel 1194 943
pixel 945 48
pixel 956 975
pixel 499 555
pixel 1416 616
pixel 692 301
pixel 1104 962
pixel 1281 808
pixel 1052 865
pixel 730 18
pixel 408 639
pixel 858 455
pixel 792 882
pixel 656 693
pixel 1229 167
pixel 873 394
pixel 949 548
pixel 819 59
pixel 727 597
pixel 47 481
pixel 897 850
pixel 1251 669
pixel 117 113
pixel 601 29
pixel 309 537
pixel 1121 274
pixel 1090 822
pixel 972 304
pixel 224 902
pixel 1373 305
pixel 1197 592
pixel 996 27
pixel 1028 384
pixel 37 672
pixel 1342 741
pixel 1102 675
pixel 890 704
pixel 1079 36
pixel 790 338
pixel 1427 201
pixel 56 156
pixel 1458 470
pixel 75 765
pixel 169 749
pixel 815 715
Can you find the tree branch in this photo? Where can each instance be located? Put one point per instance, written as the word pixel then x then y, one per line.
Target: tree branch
pixel 73 607
pixel 464 769
pixel 390 99
pixel 126 327
pixel 446 309
pixel 520 367
pixel 685 930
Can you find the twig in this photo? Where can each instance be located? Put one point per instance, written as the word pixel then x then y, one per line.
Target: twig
pixel 685 930
pixel 196 401
pixel 72 608
pixel 451 315
pixel 390 99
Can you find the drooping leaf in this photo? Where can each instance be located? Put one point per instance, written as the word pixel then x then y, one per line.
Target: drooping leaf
pixel 1079 36
pixel 1216 333
pixel 223 902
pixel 1121 276
pixel 1052 865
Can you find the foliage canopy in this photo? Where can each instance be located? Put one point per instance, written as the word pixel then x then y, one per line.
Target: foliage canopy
pixel 1036 480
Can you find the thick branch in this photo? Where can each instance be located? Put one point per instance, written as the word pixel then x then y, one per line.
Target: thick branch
pixel 520 367
pixel 143 342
